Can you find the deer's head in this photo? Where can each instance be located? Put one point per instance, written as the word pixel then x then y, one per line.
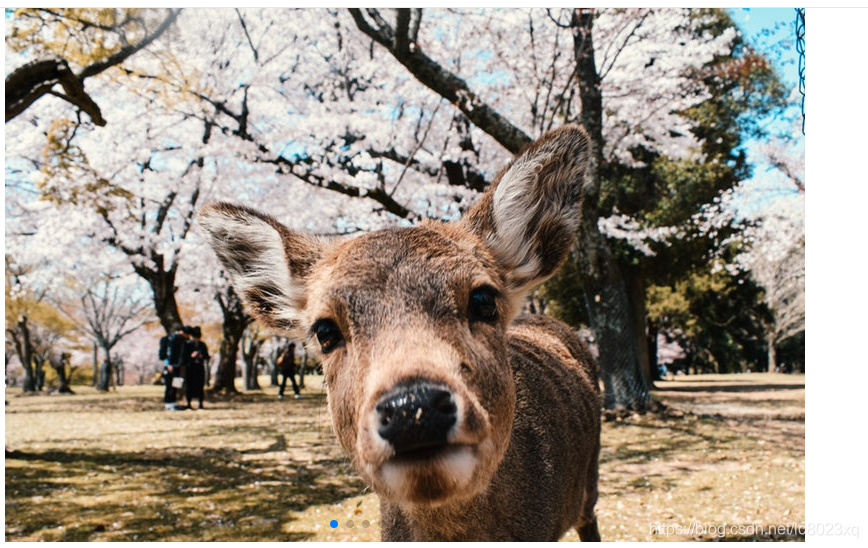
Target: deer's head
pixel 412 322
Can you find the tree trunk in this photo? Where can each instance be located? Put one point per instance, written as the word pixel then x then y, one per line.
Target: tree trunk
pixel 638 313
pixel 105 374
pixel 303 368
pixel 234 323
pixel 62 377
pixel 119 373
pixel 251 382
pixel 653 331
pixel 163 288
pixel 274 381
pixel 250 354
pixel 224 377
pixel 95 376
pixel 625 385
pixel 624 382
pixel 773 359
pixel 24 348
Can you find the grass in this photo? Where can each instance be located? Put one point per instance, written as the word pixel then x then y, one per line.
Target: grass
pixel 728 450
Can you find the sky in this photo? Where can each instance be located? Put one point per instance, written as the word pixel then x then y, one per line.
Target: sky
pixel 771 31
pixel 780 43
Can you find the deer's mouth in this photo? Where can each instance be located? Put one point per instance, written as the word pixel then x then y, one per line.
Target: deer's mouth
pixel 426 452
pixel 430 475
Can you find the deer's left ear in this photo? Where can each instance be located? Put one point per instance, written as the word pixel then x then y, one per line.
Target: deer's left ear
pixel 530 215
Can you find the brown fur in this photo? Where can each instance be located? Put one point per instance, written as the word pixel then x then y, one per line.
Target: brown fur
pixel 508 408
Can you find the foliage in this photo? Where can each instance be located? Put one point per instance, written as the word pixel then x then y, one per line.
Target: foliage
pixel 34 328
pixel 670 216
pixel 716 316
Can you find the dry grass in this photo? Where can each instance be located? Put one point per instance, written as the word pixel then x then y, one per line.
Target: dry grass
pixel 104 467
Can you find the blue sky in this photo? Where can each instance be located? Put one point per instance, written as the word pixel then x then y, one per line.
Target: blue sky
pixel 771 31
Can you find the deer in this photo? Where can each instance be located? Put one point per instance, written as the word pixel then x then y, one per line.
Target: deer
pixel 470 420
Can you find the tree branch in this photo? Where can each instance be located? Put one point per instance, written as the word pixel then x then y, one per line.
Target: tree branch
pixel 441 81
pixel 28 83
pixel 124 53
pixel 247 35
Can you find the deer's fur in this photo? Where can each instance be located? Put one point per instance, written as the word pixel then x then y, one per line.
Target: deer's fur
pixel 469 423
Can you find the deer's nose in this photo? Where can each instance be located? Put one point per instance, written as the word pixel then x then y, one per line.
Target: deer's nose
pixel 416 417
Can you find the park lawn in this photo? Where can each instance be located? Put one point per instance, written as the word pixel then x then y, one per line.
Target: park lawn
pixel 728 450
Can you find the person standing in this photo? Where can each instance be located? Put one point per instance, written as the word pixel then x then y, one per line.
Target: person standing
pixel 286 363
pixel 195 360
pixel 172 368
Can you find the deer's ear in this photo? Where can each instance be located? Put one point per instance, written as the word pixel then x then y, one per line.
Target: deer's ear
pixel 530 215
pixel 267 263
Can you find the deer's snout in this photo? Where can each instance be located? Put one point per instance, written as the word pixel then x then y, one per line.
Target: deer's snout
pixel 416 416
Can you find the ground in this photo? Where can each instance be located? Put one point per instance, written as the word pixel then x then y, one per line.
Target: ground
pixel 725 457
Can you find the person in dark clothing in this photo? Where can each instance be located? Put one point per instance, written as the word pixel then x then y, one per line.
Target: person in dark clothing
pixel 172 368
pixel 195 360
pixel 286 363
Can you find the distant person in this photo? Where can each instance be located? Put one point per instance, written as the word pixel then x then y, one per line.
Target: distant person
pixel 286 363
pixel 174 352
pixel 195 360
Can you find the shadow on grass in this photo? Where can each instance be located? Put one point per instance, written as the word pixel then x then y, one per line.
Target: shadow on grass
pixel 665 439
pixel 182 494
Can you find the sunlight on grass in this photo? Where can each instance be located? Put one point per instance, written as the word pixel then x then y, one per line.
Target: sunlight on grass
pixel 117 467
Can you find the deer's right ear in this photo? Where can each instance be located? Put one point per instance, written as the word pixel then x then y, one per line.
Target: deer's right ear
pixel 267 263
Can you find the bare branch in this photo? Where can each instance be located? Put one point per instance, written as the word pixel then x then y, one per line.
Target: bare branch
pixel 247 34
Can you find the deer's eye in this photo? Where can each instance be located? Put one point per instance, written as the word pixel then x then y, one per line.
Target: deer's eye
pixel 328 334
pixel 483 304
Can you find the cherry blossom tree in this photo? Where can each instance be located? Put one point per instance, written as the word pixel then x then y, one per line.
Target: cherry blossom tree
pixel 340 121
pixel 107 310
pixel 776 260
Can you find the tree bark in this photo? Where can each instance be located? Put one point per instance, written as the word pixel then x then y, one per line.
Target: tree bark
pixel 251 382
pixel 638 313
pixel 250 346
pixel 59 363
pixel 249 354
pixel 28 83
pixel 162 284
pixel 625 385
pixel 105 375
pixel 235 321
pixel 24 349
pixel 95 374
pixel 773 357
pixel 303 369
